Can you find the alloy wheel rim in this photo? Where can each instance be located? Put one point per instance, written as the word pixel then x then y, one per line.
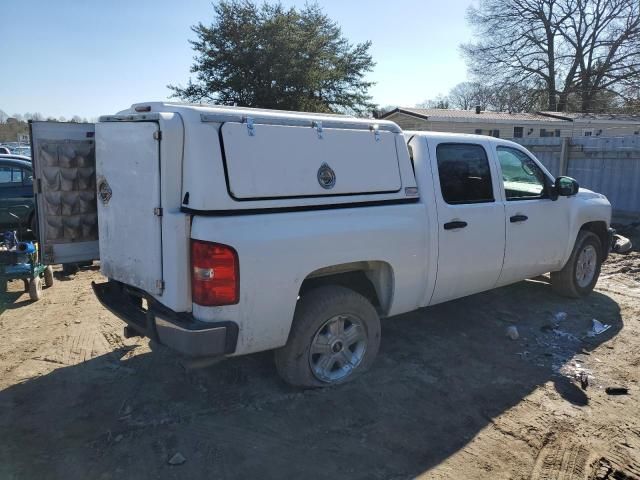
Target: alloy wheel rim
pixel 337 348
pixel 586 266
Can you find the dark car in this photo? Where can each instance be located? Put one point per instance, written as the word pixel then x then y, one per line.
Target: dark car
pixel 16 192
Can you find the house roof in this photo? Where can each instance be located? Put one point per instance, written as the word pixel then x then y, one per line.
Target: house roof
pixel 594 117
pixel 471 115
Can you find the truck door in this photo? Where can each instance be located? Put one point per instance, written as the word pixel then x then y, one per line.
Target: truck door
pixel 129 203
pixel 63 156
pixel 471 230
pixel 537 228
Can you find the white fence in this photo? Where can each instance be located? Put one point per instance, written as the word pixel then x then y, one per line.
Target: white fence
pixel 609 165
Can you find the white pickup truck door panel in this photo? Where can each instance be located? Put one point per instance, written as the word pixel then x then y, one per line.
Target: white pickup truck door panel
pixel 471 227
pixel 128 183
pixel 537 228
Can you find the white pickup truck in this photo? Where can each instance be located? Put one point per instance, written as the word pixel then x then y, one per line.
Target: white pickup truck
pixel 227 231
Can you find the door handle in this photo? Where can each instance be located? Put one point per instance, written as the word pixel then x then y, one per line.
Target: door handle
pixel 453 225
pixel 518 218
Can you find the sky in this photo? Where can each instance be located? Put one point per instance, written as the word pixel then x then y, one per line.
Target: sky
pixel 90 58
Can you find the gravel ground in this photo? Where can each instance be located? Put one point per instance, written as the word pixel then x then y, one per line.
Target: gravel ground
pixel 450 395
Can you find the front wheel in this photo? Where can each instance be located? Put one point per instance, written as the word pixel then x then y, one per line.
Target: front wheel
pixel 35 288
pixel 580 274
pixel 335 337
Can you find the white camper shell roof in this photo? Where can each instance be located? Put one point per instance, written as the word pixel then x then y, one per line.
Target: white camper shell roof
pixel 237 158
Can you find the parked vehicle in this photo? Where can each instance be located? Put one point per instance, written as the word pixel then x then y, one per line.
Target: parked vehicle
pixel 20 261
pixel 16 192
pixel 227 231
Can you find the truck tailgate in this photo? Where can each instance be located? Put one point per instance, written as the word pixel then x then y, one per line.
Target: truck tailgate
pixel 129 209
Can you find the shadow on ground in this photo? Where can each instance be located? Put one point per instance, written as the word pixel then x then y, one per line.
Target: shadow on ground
pixel 442 375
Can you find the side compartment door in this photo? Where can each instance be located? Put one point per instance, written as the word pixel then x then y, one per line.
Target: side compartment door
pixel 64 168
pixel 537 227
pixel 471 235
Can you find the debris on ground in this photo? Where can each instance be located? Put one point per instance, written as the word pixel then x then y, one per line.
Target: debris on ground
pixel 622 244
pixel 617 391
pixel 512 332
pixel 597 328
pixel 177 459
pixel 560 316
pixel 584 380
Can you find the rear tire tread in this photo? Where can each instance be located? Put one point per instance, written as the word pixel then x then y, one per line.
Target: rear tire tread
pixel 312 310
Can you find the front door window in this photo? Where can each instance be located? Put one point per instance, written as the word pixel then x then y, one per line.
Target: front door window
pixel 522 177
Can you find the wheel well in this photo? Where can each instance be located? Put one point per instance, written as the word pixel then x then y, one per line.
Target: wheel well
pixel 600 229
pixel 372 280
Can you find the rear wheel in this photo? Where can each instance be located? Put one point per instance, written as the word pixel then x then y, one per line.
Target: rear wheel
pixel 48 276
pixel 35 289
pixel 335 337
pixel 580 274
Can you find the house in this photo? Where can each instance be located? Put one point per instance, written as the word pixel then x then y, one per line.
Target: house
pixel 600 124
pixel 514 125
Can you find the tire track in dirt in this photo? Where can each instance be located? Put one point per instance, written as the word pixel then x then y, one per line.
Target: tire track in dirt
pixel 561 460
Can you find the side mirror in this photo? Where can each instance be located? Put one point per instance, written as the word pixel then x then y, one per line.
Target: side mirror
pixel 566 186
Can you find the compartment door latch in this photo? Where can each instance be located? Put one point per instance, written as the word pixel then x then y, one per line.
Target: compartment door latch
pixel 250 128
pixel 318 126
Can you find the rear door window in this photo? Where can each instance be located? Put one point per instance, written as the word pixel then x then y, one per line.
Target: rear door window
pixel 465 176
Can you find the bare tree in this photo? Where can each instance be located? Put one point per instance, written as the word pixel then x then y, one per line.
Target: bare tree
pixel 441 101
pixel 563 48
pixel 464 95
pixel 496 97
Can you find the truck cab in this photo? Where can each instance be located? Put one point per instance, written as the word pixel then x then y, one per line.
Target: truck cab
pixel 502 217
pixel 228 231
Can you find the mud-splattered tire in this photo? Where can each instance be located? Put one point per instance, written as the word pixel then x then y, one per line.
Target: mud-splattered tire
pixel 48 276
pixel 35 289
pixel 580 274
pixel 335 337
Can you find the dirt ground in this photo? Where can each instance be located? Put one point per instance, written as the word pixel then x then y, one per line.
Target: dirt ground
pixel 450 396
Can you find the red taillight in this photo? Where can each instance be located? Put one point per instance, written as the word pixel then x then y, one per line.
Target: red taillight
pixel 215 274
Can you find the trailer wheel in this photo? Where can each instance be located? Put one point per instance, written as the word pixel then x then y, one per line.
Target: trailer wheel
pixel 35 289
pixel 335 337
pixel 580 274
pixel 48 276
